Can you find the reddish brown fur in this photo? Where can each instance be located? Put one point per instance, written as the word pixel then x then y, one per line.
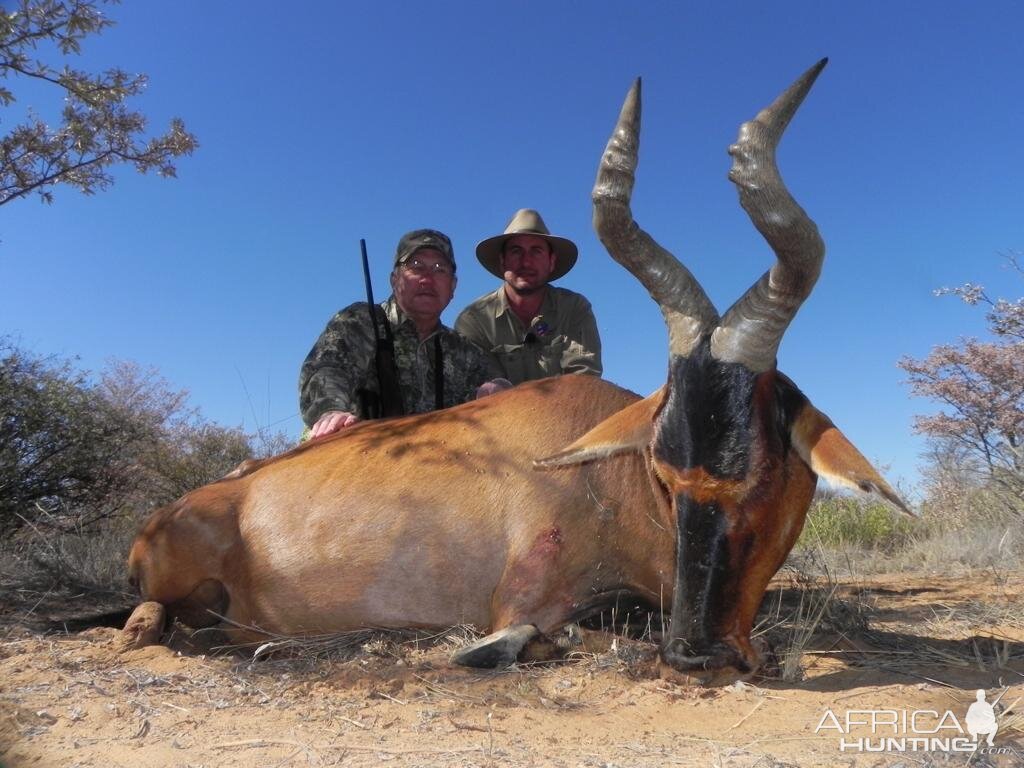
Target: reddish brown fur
pixel 440 519
pixel 426 520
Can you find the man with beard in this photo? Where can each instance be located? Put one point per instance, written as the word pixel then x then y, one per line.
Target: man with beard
pixel 531 329
pixel 433 366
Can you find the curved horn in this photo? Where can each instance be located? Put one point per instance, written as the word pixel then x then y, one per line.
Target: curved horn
pixel 687 310
pixel 753 327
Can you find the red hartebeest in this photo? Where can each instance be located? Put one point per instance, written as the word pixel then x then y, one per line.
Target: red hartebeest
pixel 690 498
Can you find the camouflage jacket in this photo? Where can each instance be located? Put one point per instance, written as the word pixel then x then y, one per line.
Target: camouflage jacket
pixel 341 363
pixel 563 338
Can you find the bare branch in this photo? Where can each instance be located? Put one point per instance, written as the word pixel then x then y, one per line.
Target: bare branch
pixel 98 130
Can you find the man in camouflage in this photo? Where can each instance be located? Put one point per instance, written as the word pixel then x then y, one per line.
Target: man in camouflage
pixel 339 377
pixel 531 329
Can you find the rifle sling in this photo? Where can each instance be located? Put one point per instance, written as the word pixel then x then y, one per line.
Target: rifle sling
pixel 438 363
pixel 390 392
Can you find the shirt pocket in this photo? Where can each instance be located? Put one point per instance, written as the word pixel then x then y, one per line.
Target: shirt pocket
pixel 532 361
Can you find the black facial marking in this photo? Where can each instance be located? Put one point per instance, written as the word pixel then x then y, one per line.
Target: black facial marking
pixel 702 572
pixel 706 419
pixel 727 422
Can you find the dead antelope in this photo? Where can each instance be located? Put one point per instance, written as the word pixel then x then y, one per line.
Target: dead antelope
pixel 690 498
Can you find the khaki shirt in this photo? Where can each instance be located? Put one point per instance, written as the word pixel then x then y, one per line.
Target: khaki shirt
pixel 563 338
pixel 341 363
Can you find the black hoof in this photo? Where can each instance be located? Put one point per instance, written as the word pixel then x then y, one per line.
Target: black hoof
pixel 498 649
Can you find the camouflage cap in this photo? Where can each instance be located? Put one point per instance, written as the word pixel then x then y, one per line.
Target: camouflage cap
pixel 419 239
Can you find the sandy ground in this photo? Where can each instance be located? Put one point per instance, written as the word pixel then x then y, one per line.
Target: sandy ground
pixel 71 699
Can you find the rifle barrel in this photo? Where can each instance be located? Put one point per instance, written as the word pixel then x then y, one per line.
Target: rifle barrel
pixel 369 287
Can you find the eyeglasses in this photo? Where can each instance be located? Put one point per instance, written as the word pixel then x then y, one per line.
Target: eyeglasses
pixel 420 267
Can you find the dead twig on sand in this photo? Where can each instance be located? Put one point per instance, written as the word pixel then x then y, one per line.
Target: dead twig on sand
pixel 435 688
pixel 260 743
pixel 743 719
pixel 470 727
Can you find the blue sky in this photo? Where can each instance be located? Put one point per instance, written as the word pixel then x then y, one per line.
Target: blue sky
pixel 321 123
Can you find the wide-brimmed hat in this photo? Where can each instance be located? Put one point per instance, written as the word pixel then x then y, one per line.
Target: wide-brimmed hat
pixel 527 222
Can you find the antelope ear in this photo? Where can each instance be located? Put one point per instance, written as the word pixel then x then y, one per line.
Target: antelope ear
pixel 628 430
pixel 829 454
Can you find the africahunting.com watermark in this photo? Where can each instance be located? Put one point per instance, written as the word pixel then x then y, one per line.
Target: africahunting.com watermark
pixel 920 730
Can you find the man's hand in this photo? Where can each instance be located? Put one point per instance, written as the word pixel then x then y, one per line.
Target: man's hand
pixel 491 387
pixel 332 421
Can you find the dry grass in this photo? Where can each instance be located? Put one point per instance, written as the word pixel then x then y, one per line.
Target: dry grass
pixel 51 578
pixel 993 547
pixel 989 553
pixel 984 536
pixel 391 644
pixel 806 607
pixel 91 559
pixel 820 615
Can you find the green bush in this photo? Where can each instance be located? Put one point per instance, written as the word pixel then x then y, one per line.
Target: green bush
pixel 75 451
pixel 835 522
pixel 62 446
pixel 83 459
